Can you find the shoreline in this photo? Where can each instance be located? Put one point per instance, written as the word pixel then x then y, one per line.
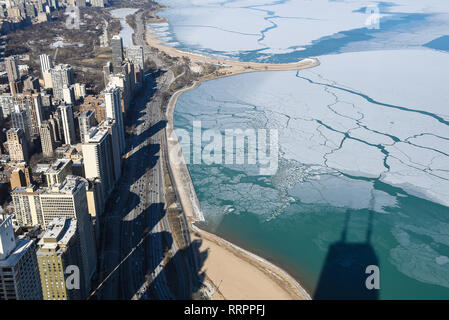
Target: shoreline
pixel 280 283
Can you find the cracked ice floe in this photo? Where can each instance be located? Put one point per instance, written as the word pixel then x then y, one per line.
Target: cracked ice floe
pixel 280 27
pixel 340 191
pixel 344 122
pixel 418 259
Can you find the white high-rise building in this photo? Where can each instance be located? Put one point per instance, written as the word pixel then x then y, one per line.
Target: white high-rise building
pixel 37 104
pixel 27 206
pixel 111 126
pixel 61 76
pixel 114 111
pixel 68 125
pixel 117 51
pixel 19 271
pixel 86 121
pixel 135 54
pixel 98 159
pixel 46 63
pixel 68 94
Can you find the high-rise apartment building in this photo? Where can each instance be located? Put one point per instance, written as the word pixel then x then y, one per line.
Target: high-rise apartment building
pixel 17 145
pixel 27 206
pixel 98 160
pixel 47 139
pixel 46 63
pixel 59 257
pixel 61 76
pixel 12 69
pixel 114 111
pixel 20 176
pixel 135 54
pixel 117 51
pixel 86 121
pixel 69 200
pixel 56 125
pixel 68 125
pixel 97 3
pixel 7 104
pixel 58 171
pixel 110 125
pixel 19 273
pixel 21 119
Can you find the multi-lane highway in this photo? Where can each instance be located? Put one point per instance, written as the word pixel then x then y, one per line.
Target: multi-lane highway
pixel 135 232
pixel 136 237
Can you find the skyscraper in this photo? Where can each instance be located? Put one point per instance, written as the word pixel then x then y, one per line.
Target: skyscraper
pixel 12 69
pixel 27 206
pixel 19 273
pixel 7 104
pixel 114 111
pixel 98 161
pixel 46 63
pixel 110 125
pixel 69 200
pixel 58 171
pixel 35 106
pixel 58 252
pixel 97 3
pixel 68 125
pixel 56 125
pixel 61 75
pixel 20 176
pixel 86 121
pixel 21 119
pixel 47 139
pixel 17 145
pixel 117 51
pixel 135 54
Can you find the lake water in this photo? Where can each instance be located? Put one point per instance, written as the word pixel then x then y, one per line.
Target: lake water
pixel 363 172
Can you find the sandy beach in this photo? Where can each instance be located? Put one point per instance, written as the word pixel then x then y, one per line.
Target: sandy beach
pixel 228 67
pixel 234 272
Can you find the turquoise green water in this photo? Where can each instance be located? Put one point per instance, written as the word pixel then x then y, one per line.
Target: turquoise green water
pixel 282 219
pixel 322 226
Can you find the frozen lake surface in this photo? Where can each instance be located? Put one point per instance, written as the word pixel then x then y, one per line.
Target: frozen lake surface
pixel 364 135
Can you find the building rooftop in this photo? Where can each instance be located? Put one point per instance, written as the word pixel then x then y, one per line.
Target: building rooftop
pixel 96 135
pixel 58 166
pixel 20 250
pixel 87 113
pixel 31 189
pixel 57 235
pixel 70 185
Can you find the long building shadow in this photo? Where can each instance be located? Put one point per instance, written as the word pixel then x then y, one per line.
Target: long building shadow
pixel 139 264
pixel 181 275
pixel 144 159
pixel 344 276
pixel 135 235
pixel 148 133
